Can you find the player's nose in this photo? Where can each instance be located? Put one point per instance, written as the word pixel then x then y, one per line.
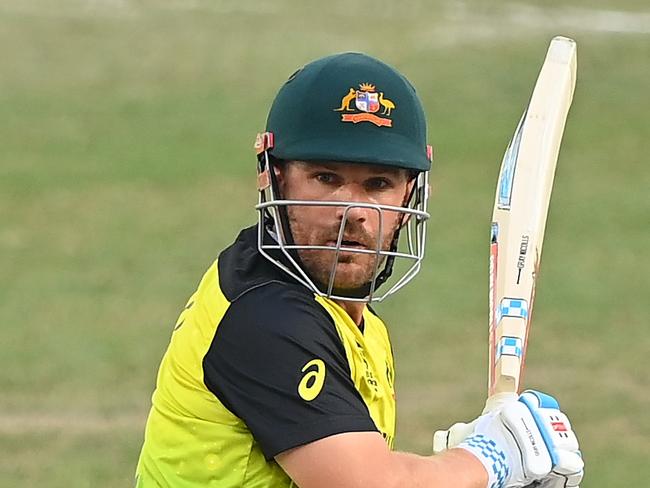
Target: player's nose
pixel 353 213
pixel 358 213
pixel 353 197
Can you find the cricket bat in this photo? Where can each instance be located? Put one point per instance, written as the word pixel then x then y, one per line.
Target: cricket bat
pixel 517 232
pixel 519 216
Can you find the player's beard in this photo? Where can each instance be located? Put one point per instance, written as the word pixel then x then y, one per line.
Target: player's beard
pixel 353 269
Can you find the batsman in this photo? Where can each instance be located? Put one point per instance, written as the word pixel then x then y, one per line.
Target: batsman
pixel 279 373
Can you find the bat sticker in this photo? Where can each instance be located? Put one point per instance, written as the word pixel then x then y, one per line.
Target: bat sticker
pixel 513 307
pixel 509 165
pixel 521 260
pixel 509 346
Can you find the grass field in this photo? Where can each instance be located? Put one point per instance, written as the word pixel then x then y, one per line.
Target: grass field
pixel 126 165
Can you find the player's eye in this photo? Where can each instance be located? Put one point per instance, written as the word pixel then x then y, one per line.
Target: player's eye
pixel 325 178
pixel 379 183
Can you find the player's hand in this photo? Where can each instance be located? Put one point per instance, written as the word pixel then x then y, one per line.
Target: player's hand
pixel 457 433
pixel 527 441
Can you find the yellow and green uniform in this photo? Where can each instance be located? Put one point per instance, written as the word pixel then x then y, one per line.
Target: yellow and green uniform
pixel 258 364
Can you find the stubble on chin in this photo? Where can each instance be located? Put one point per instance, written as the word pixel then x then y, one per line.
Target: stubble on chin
pixel 353 270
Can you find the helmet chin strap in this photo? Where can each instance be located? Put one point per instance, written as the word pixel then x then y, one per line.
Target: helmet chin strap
pixel 283 214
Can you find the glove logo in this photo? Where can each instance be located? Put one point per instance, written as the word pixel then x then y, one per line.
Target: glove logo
pixel 367 102
pixel 559 426
pixel 531 438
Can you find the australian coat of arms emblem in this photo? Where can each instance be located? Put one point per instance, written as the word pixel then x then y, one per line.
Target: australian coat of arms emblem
pixel 366 103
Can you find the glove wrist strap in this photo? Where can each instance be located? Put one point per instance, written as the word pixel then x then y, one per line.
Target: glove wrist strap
pixel 491 456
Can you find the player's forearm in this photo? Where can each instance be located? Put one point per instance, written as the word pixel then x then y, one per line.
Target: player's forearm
pixel 362 459
pixel 455 468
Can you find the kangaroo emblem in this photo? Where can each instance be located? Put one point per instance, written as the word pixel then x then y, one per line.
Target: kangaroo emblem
pixel 347 100
pixel 364 104
pixel 386 103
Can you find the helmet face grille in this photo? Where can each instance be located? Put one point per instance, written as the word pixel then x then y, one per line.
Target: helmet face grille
pixel 276 243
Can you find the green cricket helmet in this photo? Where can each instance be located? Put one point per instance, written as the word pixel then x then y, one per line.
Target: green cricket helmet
pixel 348 108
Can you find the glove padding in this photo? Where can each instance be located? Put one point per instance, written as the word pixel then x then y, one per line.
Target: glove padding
pixel 526 441
pixel 568 466
pixel 567 474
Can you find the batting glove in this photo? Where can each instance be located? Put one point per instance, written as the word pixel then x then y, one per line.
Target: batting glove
pixel 527 441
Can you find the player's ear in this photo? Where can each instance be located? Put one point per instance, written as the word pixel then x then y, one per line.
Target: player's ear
pixel 280 169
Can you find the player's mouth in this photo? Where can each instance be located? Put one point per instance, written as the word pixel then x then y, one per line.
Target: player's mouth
pixel 348 243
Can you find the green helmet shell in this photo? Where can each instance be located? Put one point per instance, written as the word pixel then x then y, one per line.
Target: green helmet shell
pixel 349 107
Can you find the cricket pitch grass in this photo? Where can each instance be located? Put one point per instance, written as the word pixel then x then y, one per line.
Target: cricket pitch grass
pixel 127 164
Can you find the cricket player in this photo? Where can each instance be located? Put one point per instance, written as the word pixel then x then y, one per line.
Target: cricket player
pixel 279 373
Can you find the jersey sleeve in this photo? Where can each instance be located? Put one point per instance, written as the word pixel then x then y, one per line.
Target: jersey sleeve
pixel 277 363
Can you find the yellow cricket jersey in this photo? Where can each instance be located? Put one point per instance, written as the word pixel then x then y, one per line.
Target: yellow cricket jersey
pixel 258 364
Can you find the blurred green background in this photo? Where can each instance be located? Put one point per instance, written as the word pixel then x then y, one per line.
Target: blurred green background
pixel 126 165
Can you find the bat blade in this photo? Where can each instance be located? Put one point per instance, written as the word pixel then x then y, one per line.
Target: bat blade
pixel 519 216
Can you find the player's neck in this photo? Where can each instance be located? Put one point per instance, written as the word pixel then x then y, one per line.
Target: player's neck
pixel 354 310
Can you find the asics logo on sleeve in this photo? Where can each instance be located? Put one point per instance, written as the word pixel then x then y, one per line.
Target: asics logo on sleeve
pixel 312 382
